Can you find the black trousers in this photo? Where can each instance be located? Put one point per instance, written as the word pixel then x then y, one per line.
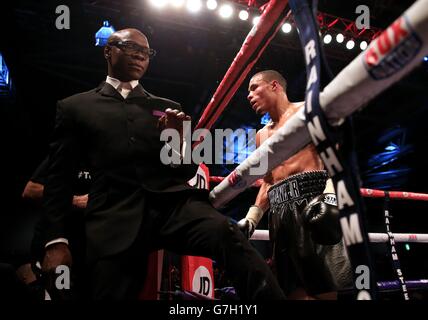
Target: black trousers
pixel 187 224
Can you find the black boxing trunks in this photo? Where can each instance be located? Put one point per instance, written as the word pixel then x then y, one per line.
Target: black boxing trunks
pixel 298 261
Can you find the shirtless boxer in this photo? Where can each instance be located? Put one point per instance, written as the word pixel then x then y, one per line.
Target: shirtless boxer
pixel 308 251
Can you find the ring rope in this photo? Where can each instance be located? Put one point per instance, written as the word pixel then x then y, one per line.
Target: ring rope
pixel 263 235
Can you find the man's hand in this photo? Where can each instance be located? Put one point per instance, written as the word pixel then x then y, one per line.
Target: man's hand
pixel 173 119
pixel 80 201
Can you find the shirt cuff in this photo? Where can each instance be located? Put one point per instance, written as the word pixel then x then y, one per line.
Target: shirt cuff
pixel 59 240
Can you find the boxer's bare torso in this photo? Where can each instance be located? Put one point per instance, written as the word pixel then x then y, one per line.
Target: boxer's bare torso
pixel 306 159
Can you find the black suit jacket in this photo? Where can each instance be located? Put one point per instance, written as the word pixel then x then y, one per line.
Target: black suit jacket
pixel 119 140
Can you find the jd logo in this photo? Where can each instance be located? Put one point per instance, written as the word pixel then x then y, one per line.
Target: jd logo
pixel 199 182
pixel 202 282
pixel 204 286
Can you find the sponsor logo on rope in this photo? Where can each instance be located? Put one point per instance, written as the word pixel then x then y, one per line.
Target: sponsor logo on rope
pixel 392 50
pixel 413 237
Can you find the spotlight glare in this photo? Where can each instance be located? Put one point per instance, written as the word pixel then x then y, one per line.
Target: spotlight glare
pixel 243 15
pixel 327 38
pixel 256 20
pixel 177 3
pixel 426 58
pixel 340 38
pixel 286 27
pixel 363 45
pixel 159 3
pixel 226 11
pixel 350 44
pixel 212 4
pixel 194 5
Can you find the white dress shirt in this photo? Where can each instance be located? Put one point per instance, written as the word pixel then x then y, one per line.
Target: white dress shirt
pixel 124 88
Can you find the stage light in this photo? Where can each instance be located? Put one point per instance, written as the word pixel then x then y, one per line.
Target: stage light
pixel 256 20
pixel 327 38
pixel 350 44
pixel 340 38
pixel 102 35
pixel 158 3
pixel 243 15
pixel 212 4
pixel 177 3
pixel 363 45
pixel 265 119
pixel 5 81
pixel 286 27
pixel 238 148
pixel 226 11
pixel 194 5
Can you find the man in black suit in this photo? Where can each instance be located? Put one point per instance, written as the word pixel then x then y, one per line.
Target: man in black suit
pixel 136 204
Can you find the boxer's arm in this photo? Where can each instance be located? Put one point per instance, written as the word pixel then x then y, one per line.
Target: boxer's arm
pixel 255 213
pixel 262 200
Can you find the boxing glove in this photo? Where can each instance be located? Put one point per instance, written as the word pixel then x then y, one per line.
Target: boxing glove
pixel 322 218
pixel 248 224
pixel 247 227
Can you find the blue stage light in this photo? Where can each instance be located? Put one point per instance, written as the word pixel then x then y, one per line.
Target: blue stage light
pixel 103 34
pixel 386 169
pixel 5 80
pixel 265 119
pixel 242 145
